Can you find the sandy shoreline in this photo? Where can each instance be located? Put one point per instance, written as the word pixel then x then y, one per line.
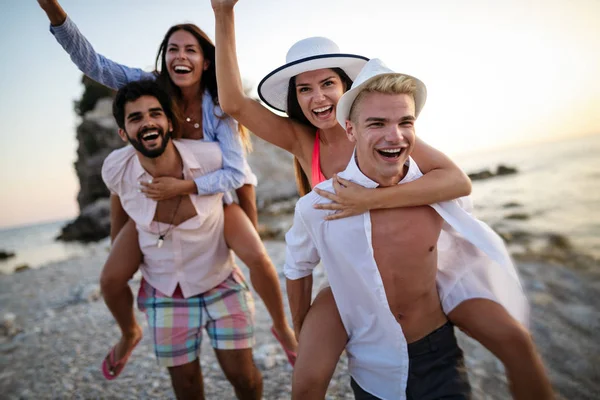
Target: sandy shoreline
pixel 64 331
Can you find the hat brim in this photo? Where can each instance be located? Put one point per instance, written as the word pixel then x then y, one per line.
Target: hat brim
pixel 342 111
pixel 273 89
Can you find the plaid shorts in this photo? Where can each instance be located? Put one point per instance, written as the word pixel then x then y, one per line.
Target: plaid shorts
pixel 226 311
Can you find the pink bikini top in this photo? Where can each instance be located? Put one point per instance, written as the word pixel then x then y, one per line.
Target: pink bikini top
pixel 317 176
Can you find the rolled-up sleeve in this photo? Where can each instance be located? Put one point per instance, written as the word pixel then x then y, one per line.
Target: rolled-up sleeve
pixel 92 64
pixel 301 254
pixel 232 175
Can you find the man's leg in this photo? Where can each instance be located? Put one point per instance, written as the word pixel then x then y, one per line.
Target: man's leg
pixel 491 325
pixel 123 261
pixel 437 367
pixel 320 345
pixel 229 309
pixel 176 325
pixel 240 370
pixel 187 381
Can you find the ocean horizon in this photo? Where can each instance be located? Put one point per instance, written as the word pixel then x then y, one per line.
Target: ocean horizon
pixel 556 190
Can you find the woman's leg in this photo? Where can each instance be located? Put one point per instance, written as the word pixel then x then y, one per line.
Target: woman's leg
pixel 508 340
pixel 247 198
pixel 320 345
pixel 243 239
pixel 123 261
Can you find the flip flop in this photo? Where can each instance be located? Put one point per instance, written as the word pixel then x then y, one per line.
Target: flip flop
pixel 117 367
pixel 291 355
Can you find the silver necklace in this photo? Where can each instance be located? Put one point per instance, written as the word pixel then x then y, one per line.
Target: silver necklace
pixel 161 236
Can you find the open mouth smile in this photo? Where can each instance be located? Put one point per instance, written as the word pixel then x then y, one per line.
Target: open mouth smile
pixel 182 69
pixel 390 153
pixel 323 112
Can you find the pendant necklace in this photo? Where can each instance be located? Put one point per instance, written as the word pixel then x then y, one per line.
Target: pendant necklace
pixel 161 236
pixel 196 125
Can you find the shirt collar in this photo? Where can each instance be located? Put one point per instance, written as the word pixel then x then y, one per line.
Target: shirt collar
pixel 188 159
pixel 354 174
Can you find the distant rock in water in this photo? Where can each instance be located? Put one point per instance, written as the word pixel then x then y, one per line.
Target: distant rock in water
pixel 477 176
pixel 512 204
pixel 486 174
pixel 6 254
pixel 504 170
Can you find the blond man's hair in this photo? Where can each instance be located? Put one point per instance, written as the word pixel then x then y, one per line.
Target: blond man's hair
pixel 386 84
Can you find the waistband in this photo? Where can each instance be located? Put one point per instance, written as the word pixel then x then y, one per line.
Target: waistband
pixel 441 338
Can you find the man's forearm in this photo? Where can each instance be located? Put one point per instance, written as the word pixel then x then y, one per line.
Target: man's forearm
pixel 54 11
pixel 299 295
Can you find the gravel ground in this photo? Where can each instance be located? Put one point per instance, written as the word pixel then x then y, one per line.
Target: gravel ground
pixel 56 331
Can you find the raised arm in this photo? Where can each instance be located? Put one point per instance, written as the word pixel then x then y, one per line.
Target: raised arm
pixel 442 181
pixel 280 131
pixel 83 55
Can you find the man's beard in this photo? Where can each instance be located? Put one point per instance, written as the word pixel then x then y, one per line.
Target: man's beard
pixel 139 146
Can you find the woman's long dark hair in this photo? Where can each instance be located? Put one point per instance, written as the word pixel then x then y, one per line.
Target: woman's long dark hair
pixel 209 76
pixel 295 113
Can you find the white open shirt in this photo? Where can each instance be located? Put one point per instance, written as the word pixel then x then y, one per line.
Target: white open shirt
pixel 472 263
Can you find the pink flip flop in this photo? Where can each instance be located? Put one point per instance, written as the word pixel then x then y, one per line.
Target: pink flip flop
pixel 117 367
pixel 291 355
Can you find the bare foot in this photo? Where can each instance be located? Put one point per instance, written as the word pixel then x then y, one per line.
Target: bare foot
pixel 124 346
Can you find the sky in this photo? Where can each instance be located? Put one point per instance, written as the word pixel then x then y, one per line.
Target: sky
pixel 499 73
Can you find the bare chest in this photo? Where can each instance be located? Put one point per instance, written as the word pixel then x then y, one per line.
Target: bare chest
pixel 409 234
pixel 175 210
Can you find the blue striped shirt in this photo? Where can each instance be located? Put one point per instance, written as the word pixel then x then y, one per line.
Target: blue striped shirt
pixel 115 76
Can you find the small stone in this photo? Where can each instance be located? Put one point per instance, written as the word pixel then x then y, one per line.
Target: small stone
pixel 22 267
pixel 91 293
pixel 518 216
pixel 9 324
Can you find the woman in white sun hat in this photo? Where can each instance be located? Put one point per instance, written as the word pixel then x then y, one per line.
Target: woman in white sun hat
pixel 307 88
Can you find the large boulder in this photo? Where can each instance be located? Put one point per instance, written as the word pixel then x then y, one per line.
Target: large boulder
pixel 91 225
pixel 97 137
pixel 275 172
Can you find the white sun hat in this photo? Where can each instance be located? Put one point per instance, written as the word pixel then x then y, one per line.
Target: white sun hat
pixel 373 69
pixel 306 55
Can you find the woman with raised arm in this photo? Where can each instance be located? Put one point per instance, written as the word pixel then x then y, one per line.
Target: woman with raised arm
pixel 185 66
pixel 308 88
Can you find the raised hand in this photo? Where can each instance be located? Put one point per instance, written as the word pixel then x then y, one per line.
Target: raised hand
pixel 54 11
pixel 348 200
pixel 165 187
pixel 222 4
pixel 47 3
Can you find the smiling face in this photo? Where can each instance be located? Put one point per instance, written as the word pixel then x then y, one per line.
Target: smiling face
pixel 147 127
pixel 184 59
pixel 318 93
pixel 382 126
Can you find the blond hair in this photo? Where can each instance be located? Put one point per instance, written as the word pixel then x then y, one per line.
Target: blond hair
pixel 386 84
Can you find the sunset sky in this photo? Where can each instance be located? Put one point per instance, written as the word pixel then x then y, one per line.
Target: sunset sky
pixel 499 73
